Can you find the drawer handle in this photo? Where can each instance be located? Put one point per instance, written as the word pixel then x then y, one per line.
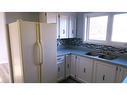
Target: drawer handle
pixel 103 77
pixel 59 58
pixel 84 69
pixel 58 69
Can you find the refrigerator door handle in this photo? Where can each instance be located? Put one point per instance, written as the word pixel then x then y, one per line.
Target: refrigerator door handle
pixel 37 53
pixel 40 57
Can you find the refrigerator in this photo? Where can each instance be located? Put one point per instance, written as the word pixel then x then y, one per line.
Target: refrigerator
pixel 33 52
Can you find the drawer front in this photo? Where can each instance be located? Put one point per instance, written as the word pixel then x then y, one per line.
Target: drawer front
pixel 60 59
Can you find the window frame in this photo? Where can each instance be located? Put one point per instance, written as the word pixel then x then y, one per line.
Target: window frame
pixel 108 40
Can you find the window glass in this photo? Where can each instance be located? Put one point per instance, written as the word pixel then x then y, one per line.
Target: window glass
pixel 119 32
pixel 98 28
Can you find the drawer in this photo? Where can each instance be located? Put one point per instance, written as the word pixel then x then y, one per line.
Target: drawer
pixel 60 59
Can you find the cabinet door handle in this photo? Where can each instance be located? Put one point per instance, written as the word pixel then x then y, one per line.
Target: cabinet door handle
pixel 68 66
pixel 84 69
pixel 63 31
pixel 116 68
pixel 103 77
pixel 58 69
pixel 45 14
pixel 72 31
pixel 58 15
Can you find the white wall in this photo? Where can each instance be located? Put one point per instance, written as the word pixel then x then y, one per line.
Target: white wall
pixel 3 45
pixel 28 16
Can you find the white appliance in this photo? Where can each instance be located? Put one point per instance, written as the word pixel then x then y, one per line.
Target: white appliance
pixel 33 50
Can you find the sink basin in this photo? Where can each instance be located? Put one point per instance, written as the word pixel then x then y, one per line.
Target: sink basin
pixel 109 57
pixel 92 53
pixel 102 55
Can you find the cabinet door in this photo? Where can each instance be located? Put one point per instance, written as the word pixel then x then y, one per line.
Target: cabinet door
pixel 73 66
pixel 121 74
pixel 60 71
pixel 67 69
pixel 72 26
pixel 63 26
pixel 84 69
pixel 124 73
pixel 105 73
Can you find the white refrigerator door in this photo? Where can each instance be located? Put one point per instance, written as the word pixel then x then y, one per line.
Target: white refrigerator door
pixel 48 41
pixel 16 55
pixel 28 36
pixel 22 39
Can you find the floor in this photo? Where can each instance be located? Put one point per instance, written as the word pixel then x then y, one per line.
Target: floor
pixel 69 80
pixel 4 73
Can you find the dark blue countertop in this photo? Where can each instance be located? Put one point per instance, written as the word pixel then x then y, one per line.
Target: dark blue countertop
pixel 122 60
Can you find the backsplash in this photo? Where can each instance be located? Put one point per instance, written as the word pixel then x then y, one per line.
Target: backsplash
pixel 78 43
pixel 63 43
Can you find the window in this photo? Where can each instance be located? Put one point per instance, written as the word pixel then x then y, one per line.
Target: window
pixel 106 28
pixel 119 32
pixel 97 28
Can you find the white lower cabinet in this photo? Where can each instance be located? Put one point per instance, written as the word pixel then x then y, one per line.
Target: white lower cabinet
pixel 84 69
pixel 67 65
pixel 121 74
pixel 73 66
pixel 105 72
pixel 61 68
pixel 88 70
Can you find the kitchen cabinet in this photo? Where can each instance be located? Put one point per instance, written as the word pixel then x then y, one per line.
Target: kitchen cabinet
pixel 105 72
pixel 48 17
pixel 67 65
pixel 72 26
pixel 73 66
pixel 121 74
pixel 61 68
pixel 66 25
pixel 84 69
pixel 63 26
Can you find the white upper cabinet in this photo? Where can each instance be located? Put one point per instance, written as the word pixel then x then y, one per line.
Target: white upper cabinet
pixel 66 25
pixel 48 17
pixel 72 26
pixel 64 22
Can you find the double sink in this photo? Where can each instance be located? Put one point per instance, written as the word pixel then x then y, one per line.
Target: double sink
pixel 103 55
